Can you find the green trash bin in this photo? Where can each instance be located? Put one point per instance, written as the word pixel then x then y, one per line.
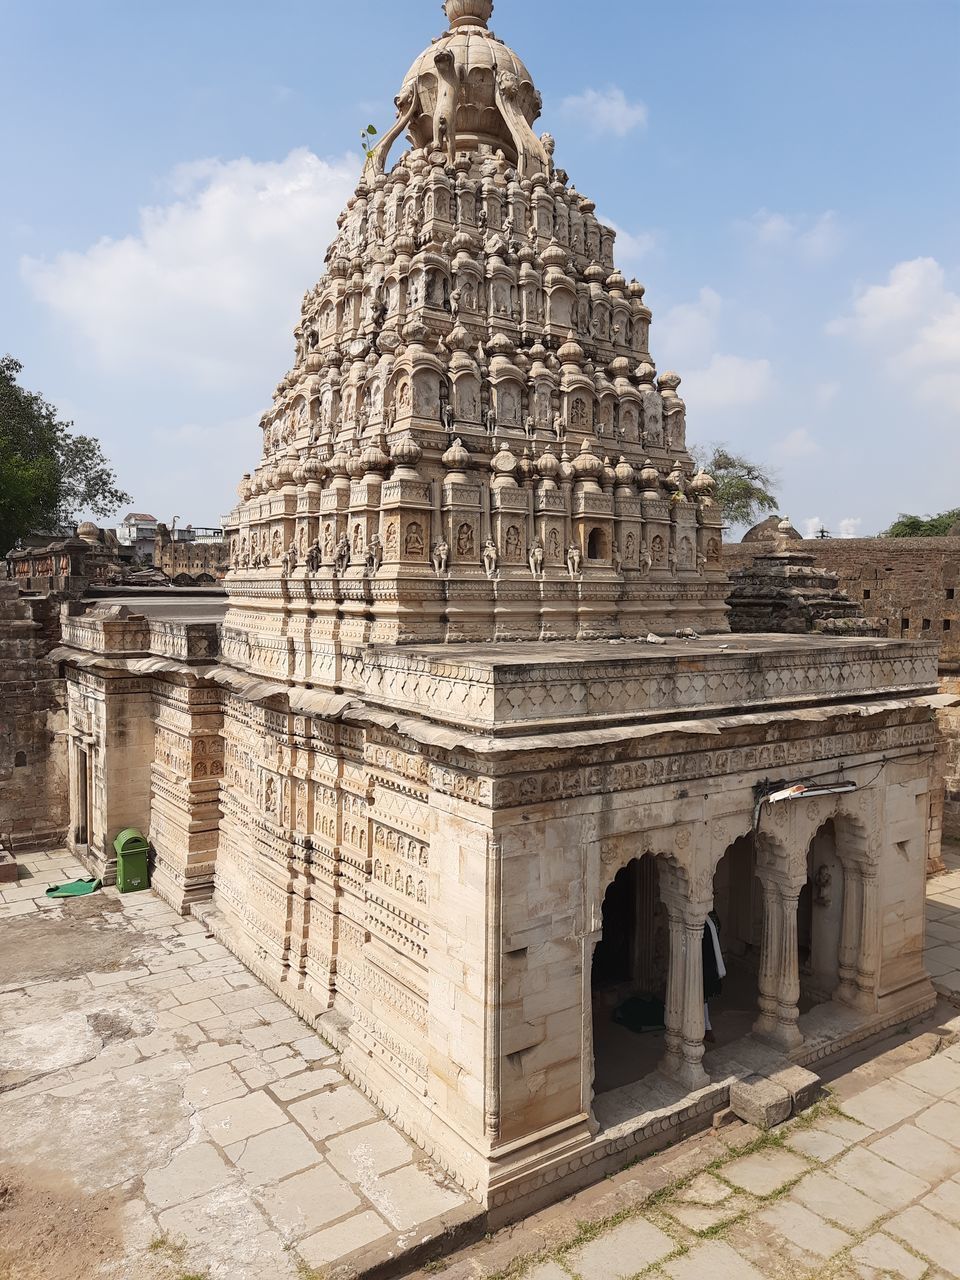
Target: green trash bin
pixel 132 848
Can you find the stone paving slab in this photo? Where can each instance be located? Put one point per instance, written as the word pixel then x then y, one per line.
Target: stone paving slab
pixel 136 1052
pixel 622 1252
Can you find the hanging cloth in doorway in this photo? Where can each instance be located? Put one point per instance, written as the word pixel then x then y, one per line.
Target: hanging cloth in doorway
pixel 715 939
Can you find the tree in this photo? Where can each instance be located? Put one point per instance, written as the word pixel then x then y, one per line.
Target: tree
pixel 744 490
pixel 47 474
pixel 907 526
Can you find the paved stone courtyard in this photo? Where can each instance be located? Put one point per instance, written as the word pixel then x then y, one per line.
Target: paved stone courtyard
pixel 155 1092
pixel 161 1096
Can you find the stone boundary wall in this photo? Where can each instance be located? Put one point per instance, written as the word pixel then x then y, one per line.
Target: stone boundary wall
pixel 34 795
pixel 949 721
pixel 912 585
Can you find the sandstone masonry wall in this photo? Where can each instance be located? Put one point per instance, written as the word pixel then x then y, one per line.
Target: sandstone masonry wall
pixel 34 795
pixel 912 586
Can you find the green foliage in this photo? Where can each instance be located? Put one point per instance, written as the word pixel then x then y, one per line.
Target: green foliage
pixel 907 526
pixel 368 139
pixel 744 489
pixel 47 474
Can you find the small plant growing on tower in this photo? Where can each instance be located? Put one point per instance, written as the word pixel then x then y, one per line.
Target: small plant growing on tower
pixel 368 139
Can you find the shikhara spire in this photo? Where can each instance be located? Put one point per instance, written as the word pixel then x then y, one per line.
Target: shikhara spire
pixel 474 439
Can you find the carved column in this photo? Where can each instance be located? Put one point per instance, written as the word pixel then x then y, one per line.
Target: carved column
pixel 869 937
pixel 849 936
pixel 673 1002
pixel 788 993
pixel 691 1071
pixel 683 1006
pixel 767 977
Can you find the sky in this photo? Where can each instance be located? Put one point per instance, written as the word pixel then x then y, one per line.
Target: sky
pixel 783 175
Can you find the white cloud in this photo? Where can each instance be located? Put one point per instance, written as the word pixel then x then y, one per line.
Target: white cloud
pixel 606 111
pixel 687 337
pixel 813 239
pixel 207 288
pixel 729 382
pixel 811 526
pixel 825 393
pixel 799 444
pixel 911 324
pixel 849 527
pixel 687 333
pixel 631 247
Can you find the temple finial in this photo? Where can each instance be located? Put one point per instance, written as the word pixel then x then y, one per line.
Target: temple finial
pixel 468 13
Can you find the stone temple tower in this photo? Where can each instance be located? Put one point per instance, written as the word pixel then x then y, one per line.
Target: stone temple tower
pixel 473 442
pixel 422 776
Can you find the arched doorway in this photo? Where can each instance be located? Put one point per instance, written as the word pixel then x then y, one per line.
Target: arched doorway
pixel 819 918
pixel 628 977
pixel 738 914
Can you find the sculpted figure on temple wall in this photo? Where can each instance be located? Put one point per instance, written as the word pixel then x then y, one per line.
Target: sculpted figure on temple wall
pixel 465 540
pixel 373 556
pixel 314 556
pixel 491 557
pixel 574 560
pixel 341 559
pixel 441 557
pixel 536 558
pixel 413 543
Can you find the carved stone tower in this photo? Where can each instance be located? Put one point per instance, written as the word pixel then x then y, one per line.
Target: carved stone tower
pixel 473 443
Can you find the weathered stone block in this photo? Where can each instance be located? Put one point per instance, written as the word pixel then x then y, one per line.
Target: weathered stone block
pixel 760 1101
pixel 802 1085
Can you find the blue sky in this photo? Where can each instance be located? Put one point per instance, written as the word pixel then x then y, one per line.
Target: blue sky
pixel 784 175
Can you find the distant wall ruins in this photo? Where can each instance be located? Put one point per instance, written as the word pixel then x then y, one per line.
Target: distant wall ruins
pixel 912 587
pixel 34 797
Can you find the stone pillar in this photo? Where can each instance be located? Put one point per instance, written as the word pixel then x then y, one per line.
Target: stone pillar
pixel 867 961
pixel 683 1007
pixel 779 977
pixel 673 1002
pixel 767 976
pixel 692 1073
pixel 788 993
pixel 849 936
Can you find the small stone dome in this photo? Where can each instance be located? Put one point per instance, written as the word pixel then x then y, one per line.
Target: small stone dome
pixel 770 530
pixel 481 68
pixel 571 352
pixel 373 458
pixel 405 452
pixel 456 458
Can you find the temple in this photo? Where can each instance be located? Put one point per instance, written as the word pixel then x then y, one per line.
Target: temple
pixel 470 753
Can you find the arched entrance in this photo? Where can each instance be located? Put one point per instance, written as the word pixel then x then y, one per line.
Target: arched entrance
pixel 629 977
pixel 820 917
pixel 738 914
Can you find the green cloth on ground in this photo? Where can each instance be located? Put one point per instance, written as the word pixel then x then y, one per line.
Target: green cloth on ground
pixel 73 889
pixel 640 1013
